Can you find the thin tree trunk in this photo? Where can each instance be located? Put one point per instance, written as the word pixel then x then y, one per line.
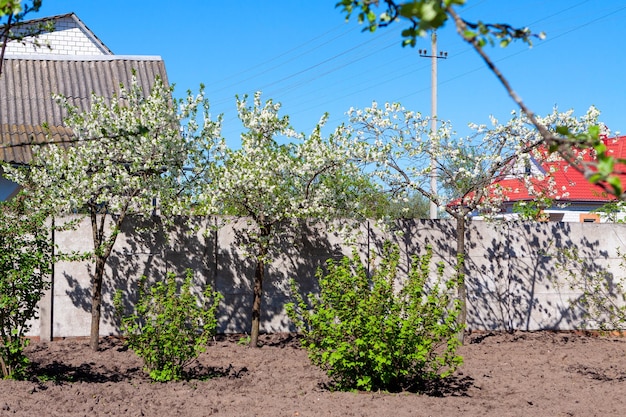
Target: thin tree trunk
pixel 259 276
pixel 102 247
pixel 256 302
pixel 462 287
pixel 96 303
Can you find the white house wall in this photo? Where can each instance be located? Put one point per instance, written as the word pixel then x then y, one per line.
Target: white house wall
pixel 70 37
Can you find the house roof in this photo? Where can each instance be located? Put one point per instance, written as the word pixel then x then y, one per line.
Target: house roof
pixel 28 83
pixel 17 140
pixel 569 184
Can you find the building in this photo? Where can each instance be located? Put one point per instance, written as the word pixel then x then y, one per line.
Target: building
pixel 70 61
pixel 573 198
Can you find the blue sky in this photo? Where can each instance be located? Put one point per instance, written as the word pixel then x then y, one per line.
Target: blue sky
pixel 304 55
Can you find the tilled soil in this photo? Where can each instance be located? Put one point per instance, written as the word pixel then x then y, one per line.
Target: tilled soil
pixel 520 374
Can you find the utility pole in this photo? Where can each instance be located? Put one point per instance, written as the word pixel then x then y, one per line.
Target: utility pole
pixel 434 56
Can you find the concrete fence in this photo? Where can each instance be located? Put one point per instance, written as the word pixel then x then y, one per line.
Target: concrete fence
pixel 514 279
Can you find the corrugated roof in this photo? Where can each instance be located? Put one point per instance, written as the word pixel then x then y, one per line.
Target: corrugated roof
pixel 19 139
pixel 27 86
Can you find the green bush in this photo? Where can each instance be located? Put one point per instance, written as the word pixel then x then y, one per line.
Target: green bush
pixel 25 267
pixel 171 326
pixel 368 336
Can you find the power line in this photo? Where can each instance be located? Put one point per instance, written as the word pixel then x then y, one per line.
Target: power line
pixel 365 80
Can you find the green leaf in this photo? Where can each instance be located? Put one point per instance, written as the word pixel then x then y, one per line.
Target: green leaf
pixel 562 130
pixel 428 12
pixel 469 34
pixel 595 178
pixel 410 10
pixel 594 131
pixel 615 182
pixel 600 148
pixel 606 166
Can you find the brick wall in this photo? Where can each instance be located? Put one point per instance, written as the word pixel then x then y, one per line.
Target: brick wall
pixel 69 38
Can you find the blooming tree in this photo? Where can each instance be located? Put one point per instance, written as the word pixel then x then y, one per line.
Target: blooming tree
pixel 427 15
pixel 397 146
pixel 127 152
pixel 276 179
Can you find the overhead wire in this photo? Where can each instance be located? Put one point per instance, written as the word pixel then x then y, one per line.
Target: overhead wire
pixel 514 54
pixel 298 83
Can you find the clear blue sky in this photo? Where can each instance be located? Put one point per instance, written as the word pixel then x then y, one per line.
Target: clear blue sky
pixel 304 55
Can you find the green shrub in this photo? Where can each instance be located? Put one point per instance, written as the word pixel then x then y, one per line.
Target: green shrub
pixel 170 326
pixel 25 267
pixel 368 336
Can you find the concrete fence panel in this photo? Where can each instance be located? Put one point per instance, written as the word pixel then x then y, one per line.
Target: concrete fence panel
pixel 513 274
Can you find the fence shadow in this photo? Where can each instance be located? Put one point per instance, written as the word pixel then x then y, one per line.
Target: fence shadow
pixel 515 279
pixel 296 252
pixel 513 276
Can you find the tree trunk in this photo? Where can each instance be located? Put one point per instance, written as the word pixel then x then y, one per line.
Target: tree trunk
pixel 96 303
pixel 259 275
pixel 256 302
pixel 102 248
pixel 462 287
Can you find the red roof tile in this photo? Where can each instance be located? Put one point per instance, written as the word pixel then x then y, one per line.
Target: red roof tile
pixel 570 185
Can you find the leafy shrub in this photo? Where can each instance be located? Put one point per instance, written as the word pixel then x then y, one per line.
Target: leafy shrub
pixel 171 326
pixel 533 210
pixel 25 267
pixel 368 336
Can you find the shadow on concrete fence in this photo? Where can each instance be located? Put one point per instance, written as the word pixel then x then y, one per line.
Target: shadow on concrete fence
pixel 217 255
pixel 513 279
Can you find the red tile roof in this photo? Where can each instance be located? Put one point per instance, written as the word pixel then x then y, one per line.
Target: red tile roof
pixel 570 185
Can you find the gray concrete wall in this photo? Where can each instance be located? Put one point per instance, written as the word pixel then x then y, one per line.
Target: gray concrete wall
pixel 512 276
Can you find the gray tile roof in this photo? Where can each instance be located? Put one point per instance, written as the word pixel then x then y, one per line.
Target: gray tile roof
pixel 28 83
pixel 17 140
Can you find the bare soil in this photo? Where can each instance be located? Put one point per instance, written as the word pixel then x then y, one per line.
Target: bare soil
pixel 520 374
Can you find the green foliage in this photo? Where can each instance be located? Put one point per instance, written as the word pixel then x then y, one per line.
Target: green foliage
pixel 170 326
pixel 25 267
pixel 423 14
pixel 10 7
pixel 429 15
pixel 244 340
pixel 382 205
pixel 367 335
pixel 613 211
pixel 18 8
pixel 532 210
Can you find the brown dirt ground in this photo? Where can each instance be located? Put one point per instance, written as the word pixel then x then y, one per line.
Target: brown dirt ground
pixel 521 374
